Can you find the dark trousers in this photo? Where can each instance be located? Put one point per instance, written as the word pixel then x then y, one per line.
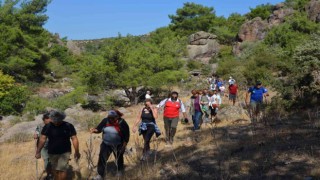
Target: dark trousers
pixel 105 151
pixel 147 135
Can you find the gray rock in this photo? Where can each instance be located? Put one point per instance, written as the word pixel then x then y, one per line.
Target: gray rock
pixel 202 46
pixel 313 10
pixel 233 115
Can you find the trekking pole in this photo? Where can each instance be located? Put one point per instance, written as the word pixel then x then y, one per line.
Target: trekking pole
pixel 37 169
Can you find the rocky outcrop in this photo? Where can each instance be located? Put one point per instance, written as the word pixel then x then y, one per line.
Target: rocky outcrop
pixel 73 47
pixel 313 10
pixel 53 93
pixel 232 115
pixel 202 46
pixel 279 14
pixel 256 29
pixel 253 30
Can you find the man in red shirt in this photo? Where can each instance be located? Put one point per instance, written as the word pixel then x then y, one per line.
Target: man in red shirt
pixel 171 112
pixel 233 90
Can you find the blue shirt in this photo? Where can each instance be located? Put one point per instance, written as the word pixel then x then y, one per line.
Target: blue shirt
pixel 257 93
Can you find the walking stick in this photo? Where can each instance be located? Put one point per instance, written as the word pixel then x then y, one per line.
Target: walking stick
pixel 37 169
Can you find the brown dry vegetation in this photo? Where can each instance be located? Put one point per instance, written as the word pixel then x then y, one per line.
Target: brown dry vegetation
pixel 287 149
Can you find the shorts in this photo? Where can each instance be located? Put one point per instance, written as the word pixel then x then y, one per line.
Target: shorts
pixel 232 97
pixel 256 106
pixel 60 162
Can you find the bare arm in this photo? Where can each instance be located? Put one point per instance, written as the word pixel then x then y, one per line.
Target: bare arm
pixel 75 143
pixel 154 112
pixel 41 143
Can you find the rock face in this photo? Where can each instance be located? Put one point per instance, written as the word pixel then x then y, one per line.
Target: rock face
pixel 73 47
pixel 278 15
pixel 202 46
pixel 313 10
pixel 256 29
pixel 253 30
pixel 233 115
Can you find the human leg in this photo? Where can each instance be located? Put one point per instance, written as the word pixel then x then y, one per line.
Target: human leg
pixel 104 154
pixel 147 135
pixel 118 154
pixel 60 165
pixel 173 128
pixel 167 127
pixel 198 115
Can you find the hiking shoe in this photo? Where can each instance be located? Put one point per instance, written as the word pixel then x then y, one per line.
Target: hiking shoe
pixel 98 177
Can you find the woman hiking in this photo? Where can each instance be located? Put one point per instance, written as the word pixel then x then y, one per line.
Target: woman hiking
pixel 115 136
pixel 147 116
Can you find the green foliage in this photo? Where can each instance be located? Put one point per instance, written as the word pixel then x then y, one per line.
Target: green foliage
pixel 192 18
pixel 12 95
pixel 37 105
pixel 263 11
pixel 62 54
pixel 96 73
pixel 297 4
pixel 67 100
pixel 194 65
pixel 23 40
pixel 306 73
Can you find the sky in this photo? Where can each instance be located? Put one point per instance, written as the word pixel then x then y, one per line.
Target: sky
pixel 94 19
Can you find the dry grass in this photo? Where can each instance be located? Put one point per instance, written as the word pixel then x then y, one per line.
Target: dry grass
pixel 289 150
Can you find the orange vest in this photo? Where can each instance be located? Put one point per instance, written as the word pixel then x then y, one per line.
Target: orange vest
pixel 171 109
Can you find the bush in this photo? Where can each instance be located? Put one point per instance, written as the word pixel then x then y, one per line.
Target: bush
pixel 72 98
pixel 192 65
pixel 36 105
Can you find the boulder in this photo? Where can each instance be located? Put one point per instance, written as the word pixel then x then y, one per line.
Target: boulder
pixel 73 47
pixel 233 115
pixel 202 46
pixel 279 14
pixel 253 30
pixel 313 10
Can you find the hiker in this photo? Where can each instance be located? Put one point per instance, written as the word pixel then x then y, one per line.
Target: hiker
pixel 147 116
pixel 59 132
pixel 233 90
pixel 44 152
pixel 195 109
pixel 204 101
pixel 231 80
pixel 172 106
pixel 257 93
pixel 148 95
pixel 214 103
pixel 115 136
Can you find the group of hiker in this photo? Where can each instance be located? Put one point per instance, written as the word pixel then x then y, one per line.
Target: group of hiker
pixel 54 137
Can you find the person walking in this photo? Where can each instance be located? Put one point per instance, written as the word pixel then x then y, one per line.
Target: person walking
pixel 214 103
pixel 115 136
pixel 204 101
pixel 233 91
pixel 148 95
pixel 147 116
pixel 195 109
pixel 59 133
pixel 172 106
pixel 44 152
pixel 257 93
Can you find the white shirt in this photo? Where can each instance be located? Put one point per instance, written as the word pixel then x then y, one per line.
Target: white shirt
pixel 148 96
pixel 214 99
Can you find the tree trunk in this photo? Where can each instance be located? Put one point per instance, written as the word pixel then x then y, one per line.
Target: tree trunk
pixel 132 95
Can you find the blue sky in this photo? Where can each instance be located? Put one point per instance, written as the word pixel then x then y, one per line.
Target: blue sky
pixel 84 19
